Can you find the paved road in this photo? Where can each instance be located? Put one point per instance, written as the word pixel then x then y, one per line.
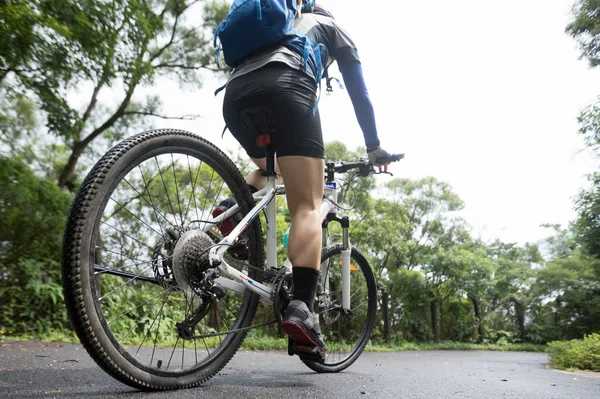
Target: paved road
pixel 30 370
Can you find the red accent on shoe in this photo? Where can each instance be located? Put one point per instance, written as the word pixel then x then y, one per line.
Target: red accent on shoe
pixel 296 333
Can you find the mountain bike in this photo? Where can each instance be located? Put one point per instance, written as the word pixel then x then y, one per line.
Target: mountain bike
pixel 161 299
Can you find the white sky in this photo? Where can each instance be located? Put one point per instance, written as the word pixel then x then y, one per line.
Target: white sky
pixel 481 94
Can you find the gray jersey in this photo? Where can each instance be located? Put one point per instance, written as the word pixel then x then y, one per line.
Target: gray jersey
pixel 321 29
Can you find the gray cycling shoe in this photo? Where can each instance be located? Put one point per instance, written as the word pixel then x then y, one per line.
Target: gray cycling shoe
pixel 302 326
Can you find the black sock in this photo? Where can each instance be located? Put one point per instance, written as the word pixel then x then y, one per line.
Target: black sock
pixel 252 188
pixel 305 285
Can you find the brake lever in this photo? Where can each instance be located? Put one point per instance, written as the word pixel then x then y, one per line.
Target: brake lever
pixel 383 173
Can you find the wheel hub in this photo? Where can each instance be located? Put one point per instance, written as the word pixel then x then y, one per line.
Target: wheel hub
pixel 190 259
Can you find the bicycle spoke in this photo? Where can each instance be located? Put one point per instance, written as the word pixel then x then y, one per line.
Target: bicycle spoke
pixel 193 196
pixel 126 266
pixel 147 189
pixel 177 189
pixel 214 205
pixel 166 191
pixel 124 284
pixel 122 254
pixel 207 191
pixel 182 352
pixel 206 346
pixel 188 311
pixel 137 307
pixel 159 315
pixel 137 321
pixel 137 217
pixel 127 235
pixel 173 352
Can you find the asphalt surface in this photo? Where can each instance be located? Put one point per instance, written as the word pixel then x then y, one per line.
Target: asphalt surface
pixel 34 370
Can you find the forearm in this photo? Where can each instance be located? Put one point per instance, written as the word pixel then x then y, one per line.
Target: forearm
pixel 359 95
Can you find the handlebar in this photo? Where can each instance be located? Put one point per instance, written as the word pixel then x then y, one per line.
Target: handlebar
pixel 364 166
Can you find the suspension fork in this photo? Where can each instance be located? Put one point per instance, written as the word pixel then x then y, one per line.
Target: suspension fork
pixel 346 252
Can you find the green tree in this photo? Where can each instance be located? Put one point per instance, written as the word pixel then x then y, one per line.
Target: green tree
pixel 509 297
pixel 587 225
pixel 54 47
pixel 585 28
pixel 32 215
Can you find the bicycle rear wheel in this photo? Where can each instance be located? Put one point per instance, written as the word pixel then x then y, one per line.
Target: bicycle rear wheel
pixel 345 333
pixel 137 311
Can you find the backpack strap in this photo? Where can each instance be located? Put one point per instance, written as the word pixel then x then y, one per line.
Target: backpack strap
pixel 305 46
pixel 220 89
pixel 329 79
pixel 259 10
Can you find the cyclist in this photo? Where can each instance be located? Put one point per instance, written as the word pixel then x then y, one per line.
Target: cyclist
pixel 271 91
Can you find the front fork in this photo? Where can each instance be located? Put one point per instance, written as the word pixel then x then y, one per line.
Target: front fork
pixel 346 251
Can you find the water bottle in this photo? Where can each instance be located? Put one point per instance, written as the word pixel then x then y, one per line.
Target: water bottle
pixel 285 238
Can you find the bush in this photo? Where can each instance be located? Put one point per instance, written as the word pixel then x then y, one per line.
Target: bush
pixel 581 354
pixel 32 215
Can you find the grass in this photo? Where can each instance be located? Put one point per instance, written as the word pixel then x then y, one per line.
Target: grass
pixel 253 342
pixel 50 336
pixel 455 346
pixel 269 343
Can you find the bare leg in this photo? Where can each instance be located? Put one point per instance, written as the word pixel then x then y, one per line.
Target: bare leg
pixel 256 179
pixel 304 191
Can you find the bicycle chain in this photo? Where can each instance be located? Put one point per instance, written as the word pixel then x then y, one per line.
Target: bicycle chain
pixel 237 330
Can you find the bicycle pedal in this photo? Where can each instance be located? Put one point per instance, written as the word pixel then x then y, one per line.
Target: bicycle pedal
pixel 305 352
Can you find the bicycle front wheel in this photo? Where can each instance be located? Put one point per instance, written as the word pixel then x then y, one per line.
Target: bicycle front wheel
pixel 140 313
pixel 346 333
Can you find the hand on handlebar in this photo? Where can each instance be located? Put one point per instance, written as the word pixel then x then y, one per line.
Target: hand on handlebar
pixel 380 158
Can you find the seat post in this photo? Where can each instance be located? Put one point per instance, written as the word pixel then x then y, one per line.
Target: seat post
pixel 270 161
pixel 264 140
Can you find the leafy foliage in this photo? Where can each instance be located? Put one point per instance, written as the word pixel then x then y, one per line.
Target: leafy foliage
pixel 585 27
pixel 55 47
pixel 32 215
pixel 582 354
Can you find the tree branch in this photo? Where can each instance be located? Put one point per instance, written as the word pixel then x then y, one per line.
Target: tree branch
pixel 183 117
pixel 173 31
pixel 166 46
pixel 111 121
pixel 93 101
pixel 103 78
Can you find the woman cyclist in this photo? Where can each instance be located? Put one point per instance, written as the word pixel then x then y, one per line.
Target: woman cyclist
pixel 271 91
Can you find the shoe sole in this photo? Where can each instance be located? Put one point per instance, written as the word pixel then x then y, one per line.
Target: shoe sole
pixel 298 335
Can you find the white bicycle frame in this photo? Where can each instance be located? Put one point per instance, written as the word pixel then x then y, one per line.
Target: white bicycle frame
pixel 238 281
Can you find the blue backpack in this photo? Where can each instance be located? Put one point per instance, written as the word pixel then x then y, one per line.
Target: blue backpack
pixel 254 24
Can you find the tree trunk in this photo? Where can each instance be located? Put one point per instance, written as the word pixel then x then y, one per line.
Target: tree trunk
pixel 441 321
pixel 434 321
pixel 520 312
pixel 386 317
pixel 556 316
pixel 475 300
pixel 66 175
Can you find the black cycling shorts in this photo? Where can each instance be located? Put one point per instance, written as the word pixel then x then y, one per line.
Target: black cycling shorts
pixel 276 99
